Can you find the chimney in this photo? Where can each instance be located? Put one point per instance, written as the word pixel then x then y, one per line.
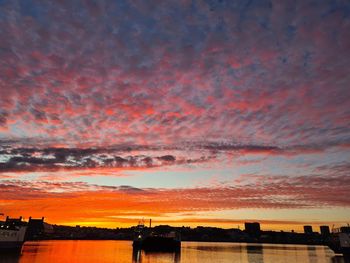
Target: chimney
pixel 150 223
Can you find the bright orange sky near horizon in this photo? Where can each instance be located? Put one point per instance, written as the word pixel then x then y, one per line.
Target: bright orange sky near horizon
pixel 187 112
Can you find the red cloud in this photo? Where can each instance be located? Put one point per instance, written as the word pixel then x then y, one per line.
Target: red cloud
pixel 78 200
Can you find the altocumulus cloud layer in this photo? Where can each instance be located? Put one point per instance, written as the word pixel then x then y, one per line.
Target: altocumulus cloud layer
pixel 151 85
pixel 118 71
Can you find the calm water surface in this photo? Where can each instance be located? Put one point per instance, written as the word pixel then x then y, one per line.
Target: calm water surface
pixel 194 252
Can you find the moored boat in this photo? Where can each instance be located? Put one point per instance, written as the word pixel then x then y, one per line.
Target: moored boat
pixel 12 233
pixel 148 240
pixel 339 240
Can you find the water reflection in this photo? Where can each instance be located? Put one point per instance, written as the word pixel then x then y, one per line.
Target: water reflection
pixel 191 252
pixel 341 259
pixel 136 255
pixel 255 253
pixel 10 258
pixel 311 251
pixel 140 256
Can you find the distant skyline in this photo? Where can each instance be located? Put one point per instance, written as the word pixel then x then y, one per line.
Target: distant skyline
pixel 208 112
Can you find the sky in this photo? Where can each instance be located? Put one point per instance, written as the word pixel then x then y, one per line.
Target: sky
pixel 187 112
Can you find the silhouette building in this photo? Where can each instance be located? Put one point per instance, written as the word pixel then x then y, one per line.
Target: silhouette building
pixel 14 221
pixel 252 228
pixel 345 229
pixel 308 230
pixel 325 230
pixel 37 228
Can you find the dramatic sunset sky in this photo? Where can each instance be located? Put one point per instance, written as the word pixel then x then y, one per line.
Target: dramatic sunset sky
pixel 208 112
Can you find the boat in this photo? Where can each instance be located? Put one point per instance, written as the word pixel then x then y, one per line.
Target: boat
pixel 339 240
pixel 148 240
pixel 12 234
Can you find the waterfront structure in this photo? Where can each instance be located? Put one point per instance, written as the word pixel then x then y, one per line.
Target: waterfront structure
pixel 37 228
pixel 148 240
pixel 252 228
pixel 12 233
pixel 308 230
pixel 339 241
pixel 325 231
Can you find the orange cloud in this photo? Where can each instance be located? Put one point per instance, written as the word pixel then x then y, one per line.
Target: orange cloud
pixel 65 202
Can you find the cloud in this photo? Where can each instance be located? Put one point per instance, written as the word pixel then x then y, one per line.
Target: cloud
pixel 334 169
pixel 142 156
pixel 163 83
pixel 274 192
pixel 259 73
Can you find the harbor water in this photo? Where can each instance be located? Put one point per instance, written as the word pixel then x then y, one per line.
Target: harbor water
pixel 191 252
